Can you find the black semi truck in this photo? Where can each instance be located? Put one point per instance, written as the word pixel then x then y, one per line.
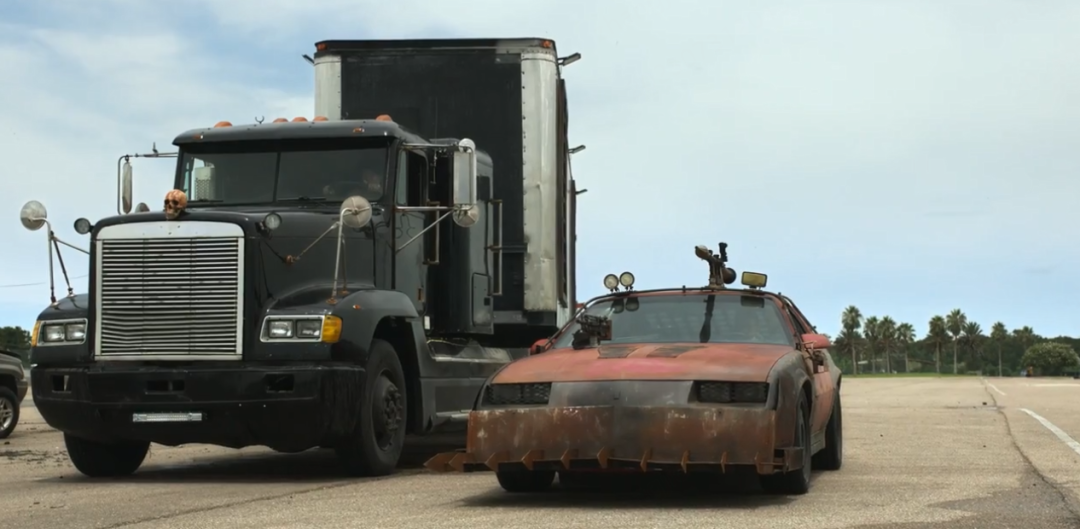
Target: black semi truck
pixel 334 282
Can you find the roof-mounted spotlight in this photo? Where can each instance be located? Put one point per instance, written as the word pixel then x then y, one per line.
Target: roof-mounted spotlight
pixel 611 282
pixel 626 279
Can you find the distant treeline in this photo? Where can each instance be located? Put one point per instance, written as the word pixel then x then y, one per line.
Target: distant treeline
pixel 953 344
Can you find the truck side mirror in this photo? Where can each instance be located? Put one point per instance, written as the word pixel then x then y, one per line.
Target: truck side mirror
pixel 125 187
pixel 464 194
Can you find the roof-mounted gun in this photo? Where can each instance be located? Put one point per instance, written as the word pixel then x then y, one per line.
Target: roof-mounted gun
pixel 592 331
pixel 719 273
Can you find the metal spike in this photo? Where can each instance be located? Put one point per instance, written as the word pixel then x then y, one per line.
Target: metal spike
pixel 496 458
pixel 685 461
pixel 567 456
pixel 530 456
pixel 459 460
pixel 603 455
pixel 439 462
pixel 645 460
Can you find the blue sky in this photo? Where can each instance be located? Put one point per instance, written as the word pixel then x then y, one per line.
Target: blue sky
pixel 905 156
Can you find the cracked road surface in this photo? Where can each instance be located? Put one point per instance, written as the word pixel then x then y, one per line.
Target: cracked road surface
pixel 920 452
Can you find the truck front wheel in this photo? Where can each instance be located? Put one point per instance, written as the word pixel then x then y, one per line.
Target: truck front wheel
pixel 375 445
pixel 105 460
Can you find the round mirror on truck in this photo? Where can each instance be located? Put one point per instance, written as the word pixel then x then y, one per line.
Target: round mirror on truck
pixel 356 212
pixel 125 187
pixel 466 216
pixel 33 215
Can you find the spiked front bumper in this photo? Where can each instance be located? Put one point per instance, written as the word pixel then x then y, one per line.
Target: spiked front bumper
pixel 677 438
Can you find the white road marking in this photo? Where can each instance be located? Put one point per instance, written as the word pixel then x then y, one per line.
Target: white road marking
pixel 1069 441
pixel 1055 385
pixel 993 387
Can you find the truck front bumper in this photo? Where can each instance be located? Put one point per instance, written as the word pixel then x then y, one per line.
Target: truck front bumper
pixel 288 408
pixel 614 438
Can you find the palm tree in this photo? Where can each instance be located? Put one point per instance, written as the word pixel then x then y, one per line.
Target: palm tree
pixel 870 331
pixel 847 342
pixel 954 323
pixel 973 337
pixel 937 335
pixel 998 335
pixel 1026 336
pixel 887 339
pixel 905 336
pixel 850 322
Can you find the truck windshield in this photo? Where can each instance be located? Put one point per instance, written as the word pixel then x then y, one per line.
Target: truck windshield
pixel 261 172
pixel 692 318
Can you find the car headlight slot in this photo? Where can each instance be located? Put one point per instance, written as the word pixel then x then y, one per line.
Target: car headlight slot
pixel 517 394
pixel 291 329
pixel 732 392
pixel 59 332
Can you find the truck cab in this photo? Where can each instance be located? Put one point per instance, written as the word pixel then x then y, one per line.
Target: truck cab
pixel 355 276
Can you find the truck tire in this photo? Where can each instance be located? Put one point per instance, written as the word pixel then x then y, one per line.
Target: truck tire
pixel 832 456
pixel 9 412
pixel 525 480
pixel 797 481
pixel 375 445
pixel 105 460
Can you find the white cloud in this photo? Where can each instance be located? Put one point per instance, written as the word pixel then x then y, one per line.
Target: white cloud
pixel 867 139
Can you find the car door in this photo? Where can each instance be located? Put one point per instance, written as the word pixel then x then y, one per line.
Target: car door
pixel 824 393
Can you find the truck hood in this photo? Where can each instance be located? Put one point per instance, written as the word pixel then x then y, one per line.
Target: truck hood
pixel 680 361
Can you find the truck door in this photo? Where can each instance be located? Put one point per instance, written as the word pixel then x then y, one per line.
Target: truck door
pixel 410 270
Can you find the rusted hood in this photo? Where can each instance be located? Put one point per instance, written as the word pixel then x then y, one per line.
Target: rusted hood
pixel 730 362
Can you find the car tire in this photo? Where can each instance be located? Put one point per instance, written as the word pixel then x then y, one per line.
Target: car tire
pixel 9 412
pixel 832 456
pixel 526 480
pixel 376 443
pixel 797 481
pixel 105 460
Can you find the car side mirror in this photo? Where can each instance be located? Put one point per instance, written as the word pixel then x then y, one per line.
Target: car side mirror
pixel 816 341
pixel 538 347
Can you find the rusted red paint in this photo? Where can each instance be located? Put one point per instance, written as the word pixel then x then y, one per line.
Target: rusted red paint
pixel 570 437
pixel 730 362
pixel 639 438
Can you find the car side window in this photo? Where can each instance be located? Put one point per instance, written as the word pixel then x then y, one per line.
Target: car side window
pixel 793 315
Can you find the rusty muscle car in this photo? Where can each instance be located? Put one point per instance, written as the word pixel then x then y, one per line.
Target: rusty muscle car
pixel 685 380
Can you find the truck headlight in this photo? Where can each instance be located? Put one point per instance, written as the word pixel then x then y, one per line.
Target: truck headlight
pixel 325 329
pixel 61 332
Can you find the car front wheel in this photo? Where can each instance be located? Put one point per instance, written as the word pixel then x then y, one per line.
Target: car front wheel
pixel 9 412
pixel 797 481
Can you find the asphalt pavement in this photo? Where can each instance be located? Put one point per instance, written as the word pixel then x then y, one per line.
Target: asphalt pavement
pixel 919 452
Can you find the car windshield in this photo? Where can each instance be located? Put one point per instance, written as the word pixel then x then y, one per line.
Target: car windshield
pixel 261 172
pixel 686 318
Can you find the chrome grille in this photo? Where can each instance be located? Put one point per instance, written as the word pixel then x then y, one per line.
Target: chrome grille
pixel 170 296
